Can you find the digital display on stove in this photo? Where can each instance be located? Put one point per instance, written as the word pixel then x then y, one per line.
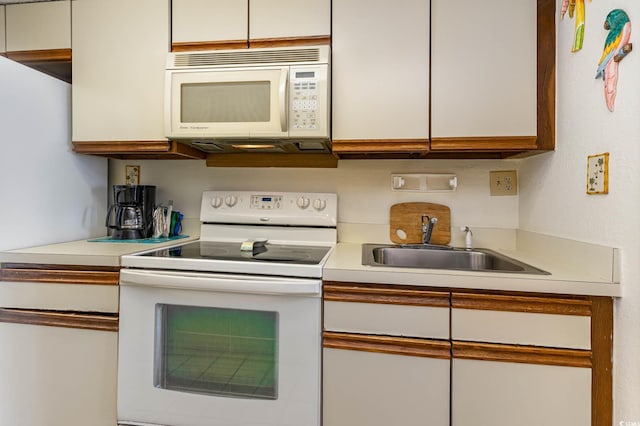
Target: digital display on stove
pixel 266 202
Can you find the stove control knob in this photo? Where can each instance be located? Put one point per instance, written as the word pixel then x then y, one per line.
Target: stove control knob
pixel 231 200
pixel 303 202
pixel 216 202
pixel 319 204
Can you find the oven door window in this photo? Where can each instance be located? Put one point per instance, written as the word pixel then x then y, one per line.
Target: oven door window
pixel 216 351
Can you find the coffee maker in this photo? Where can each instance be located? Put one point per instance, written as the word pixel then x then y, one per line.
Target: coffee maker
pixel 131 214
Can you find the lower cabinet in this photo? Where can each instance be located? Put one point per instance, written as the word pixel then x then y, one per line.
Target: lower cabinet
pixel 414 356
pixel 377 381
pixel 500 393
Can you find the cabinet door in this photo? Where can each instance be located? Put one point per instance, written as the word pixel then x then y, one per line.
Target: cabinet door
pixel 380 75
pixel 38 26
pixel 362 387
pixel 483 69
pixel 119 56
pixel 57 376
pixel 2 30
pixel 514 393
pixel 209 21
pixel 270 19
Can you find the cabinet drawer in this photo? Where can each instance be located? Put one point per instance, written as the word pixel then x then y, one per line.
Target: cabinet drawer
pixel 551 322
pixel 386 311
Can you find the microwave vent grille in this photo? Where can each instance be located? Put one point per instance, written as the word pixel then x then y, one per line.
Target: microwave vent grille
pixel 246 57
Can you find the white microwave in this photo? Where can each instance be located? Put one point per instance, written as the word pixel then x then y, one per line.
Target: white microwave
pixel 278 98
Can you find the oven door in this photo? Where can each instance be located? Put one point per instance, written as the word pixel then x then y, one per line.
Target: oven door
pixel 200 349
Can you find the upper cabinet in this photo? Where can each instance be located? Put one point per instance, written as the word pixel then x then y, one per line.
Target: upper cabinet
pixel 120 50
pixel 483 74
pixel 39 35
pixel 2 30
pixel 472 80
pixel 380 80
pixel 215 24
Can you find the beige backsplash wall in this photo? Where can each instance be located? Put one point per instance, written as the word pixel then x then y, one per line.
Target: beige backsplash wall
pixel 363 186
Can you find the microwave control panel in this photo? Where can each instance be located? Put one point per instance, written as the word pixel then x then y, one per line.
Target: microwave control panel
pixel 309 94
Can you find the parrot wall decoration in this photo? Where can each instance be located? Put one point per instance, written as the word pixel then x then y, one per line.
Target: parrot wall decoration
pixel 616 47
pixel 575 7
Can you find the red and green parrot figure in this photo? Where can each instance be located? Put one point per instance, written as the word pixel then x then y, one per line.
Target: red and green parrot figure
pixel 616 47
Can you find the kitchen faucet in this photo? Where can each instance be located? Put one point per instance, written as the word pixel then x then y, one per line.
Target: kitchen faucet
pixel 427 228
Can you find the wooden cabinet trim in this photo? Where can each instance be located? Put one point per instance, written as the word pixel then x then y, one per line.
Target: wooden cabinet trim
pixel 485 143
pixel 530 304
pixel 348 146
pixel 47 55
pixel 388 345
pixel 161 149
pixel 290 41
pixel 602 355
pixel 272 160
pixel 522 354
pixel 336 292
pixel 101 322
pixel 60 276
pixel 546 75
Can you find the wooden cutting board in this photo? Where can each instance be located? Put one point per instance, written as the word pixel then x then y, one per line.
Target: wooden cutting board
pixel 406 218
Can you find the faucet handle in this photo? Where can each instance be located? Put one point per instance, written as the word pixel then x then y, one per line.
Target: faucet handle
pixel 468 237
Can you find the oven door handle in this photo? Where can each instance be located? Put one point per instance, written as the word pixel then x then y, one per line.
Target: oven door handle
pixel 222 283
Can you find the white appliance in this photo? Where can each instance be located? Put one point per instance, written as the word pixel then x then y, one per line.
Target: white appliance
pixel 226 331
pixel 277 98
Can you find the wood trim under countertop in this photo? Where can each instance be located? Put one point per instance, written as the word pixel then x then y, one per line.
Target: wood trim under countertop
pixel 388 345
pixel 528 304
pixel 521 354
pixel 393 295
pixel 86 321
pixel 78 275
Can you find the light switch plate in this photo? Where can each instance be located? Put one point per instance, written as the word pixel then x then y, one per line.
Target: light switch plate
pixel 598 174
pixel 503 182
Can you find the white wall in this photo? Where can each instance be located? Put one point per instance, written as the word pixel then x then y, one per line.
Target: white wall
pixel 363 187
pixel 47 193
pixel 553 197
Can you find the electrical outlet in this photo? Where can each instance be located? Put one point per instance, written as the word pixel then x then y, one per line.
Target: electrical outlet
pixel 503 182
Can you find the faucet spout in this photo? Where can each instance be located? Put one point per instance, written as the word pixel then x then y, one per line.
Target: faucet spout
pixel 427 228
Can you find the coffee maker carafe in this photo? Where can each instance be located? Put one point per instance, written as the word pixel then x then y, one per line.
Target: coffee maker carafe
pixel 131 214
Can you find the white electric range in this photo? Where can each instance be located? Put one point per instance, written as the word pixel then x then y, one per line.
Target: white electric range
pixel 227 330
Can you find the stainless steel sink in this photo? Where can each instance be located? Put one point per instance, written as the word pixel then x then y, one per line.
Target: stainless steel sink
pixel 430 257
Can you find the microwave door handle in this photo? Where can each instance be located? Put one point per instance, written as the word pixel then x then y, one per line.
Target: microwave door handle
pixel 284 77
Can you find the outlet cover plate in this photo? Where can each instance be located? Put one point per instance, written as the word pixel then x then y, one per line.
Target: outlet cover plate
pixel 503 182
pixel 598 174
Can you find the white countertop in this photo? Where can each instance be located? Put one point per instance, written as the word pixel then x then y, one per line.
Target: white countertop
pixel 82 252
pixel 345 264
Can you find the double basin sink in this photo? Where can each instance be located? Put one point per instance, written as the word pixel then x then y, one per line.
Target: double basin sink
pixel 443 257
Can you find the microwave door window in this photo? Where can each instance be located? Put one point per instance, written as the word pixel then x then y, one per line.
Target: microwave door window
pixel 226 102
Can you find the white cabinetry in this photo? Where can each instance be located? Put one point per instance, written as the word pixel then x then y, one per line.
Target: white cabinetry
pixel 3 42
pixel 59 376
pixel 386 356
pixel 273 19
pixel 38 26
pixel 119 57
pixel 380 71
pixel 483 65
pixel 239 22
pixel 507 393
pixel 209 21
